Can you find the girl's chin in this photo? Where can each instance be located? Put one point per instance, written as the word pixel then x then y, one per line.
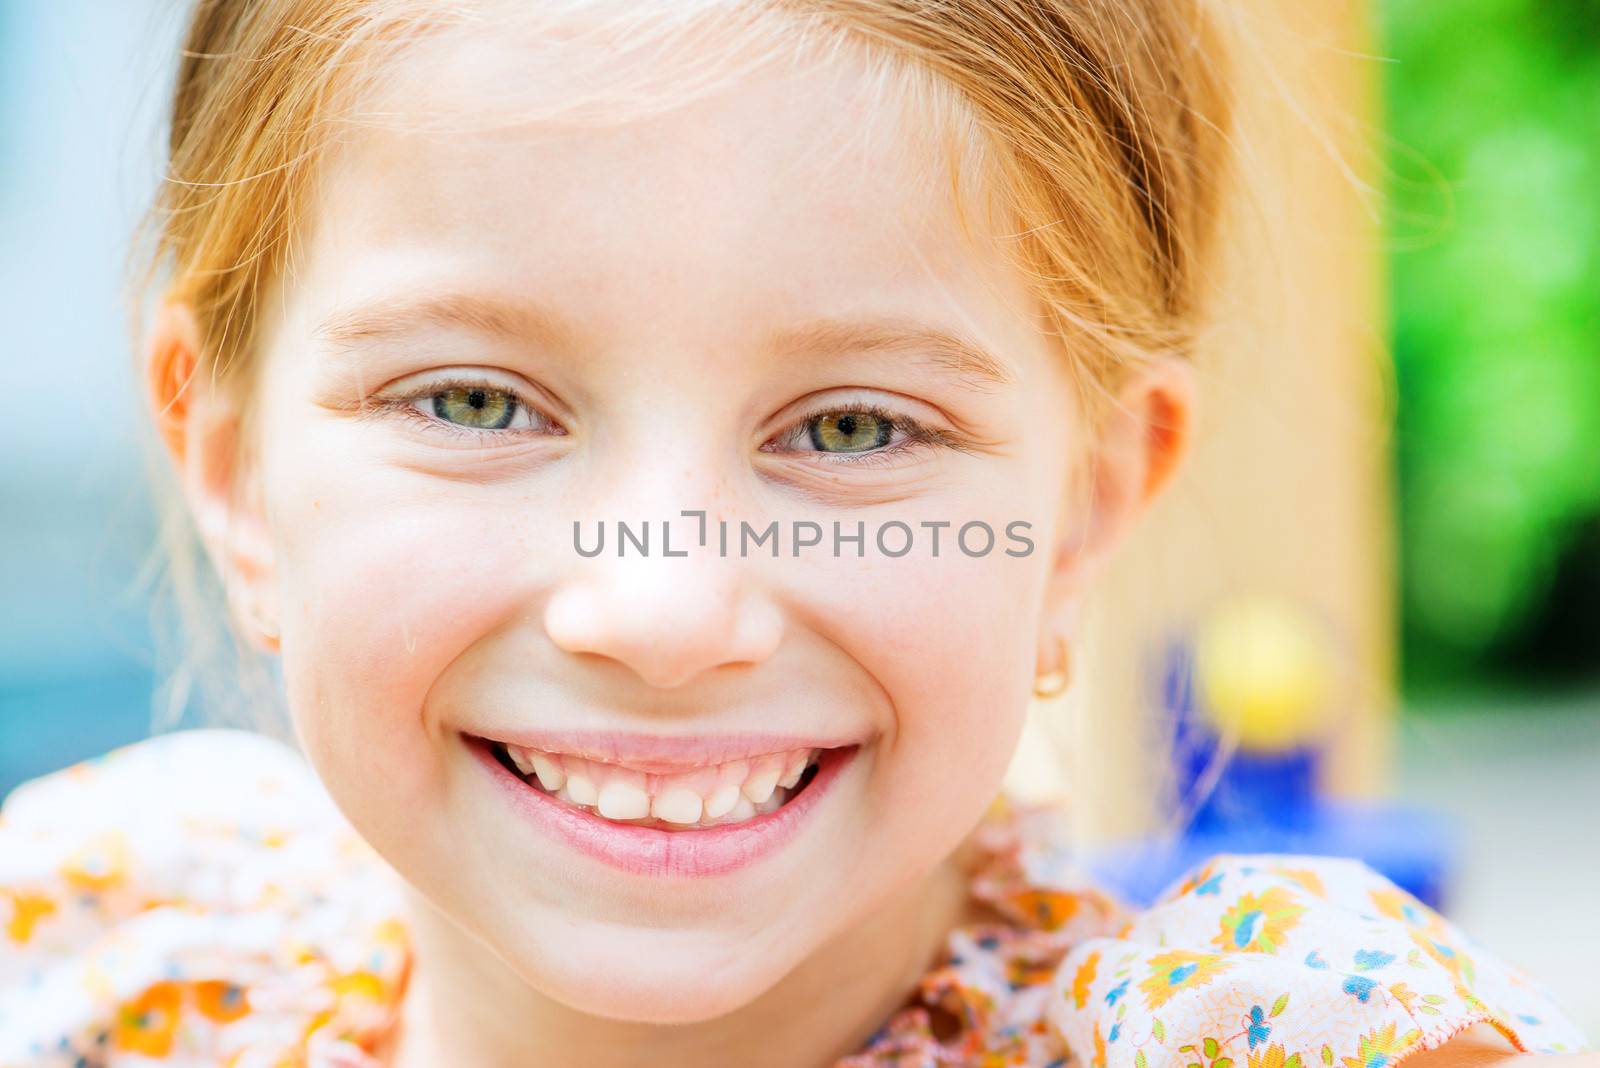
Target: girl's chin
pixel 693 988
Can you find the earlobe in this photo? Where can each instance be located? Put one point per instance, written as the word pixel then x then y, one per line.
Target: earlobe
pixel 200 425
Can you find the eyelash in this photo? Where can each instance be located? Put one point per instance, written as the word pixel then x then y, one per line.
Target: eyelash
pixel 918 435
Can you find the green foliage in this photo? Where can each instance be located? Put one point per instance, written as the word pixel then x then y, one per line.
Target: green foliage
pixel 1494 237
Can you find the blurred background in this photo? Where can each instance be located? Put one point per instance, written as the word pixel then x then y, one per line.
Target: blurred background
pixel 1376 602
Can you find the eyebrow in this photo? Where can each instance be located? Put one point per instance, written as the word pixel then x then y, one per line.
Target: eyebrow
pixel 817 339
pixel 829 337
pixel 393 317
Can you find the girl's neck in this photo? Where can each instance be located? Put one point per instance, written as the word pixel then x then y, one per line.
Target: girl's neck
pixel 457 1012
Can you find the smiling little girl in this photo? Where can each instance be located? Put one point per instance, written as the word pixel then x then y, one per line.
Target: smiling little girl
pixel 880 312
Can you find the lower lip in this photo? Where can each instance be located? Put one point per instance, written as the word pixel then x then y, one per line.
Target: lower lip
pixel 650 851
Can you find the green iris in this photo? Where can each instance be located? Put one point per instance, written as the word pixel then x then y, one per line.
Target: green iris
pixel 849 432
pixel 475 407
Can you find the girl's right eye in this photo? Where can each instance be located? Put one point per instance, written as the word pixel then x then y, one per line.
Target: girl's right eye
pixel 475 409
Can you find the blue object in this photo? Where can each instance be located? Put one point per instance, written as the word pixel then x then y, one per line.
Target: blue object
pixel 1266 802
pixel 1410 846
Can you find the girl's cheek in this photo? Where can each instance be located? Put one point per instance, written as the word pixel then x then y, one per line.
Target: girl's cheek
pixel 383 588
pixel 950 642
pixel 936 774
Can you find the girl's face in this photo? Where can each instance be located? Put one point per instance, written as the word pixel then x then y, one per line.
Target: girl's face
pixel 500 333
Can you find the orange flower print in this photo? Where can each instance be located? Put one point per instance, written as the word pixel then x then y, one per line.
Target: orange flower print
pixel 1457 963
pixel 1049 909
pixel 1396 904
pixel 317 1022
pixel 1471 1000
pixel 146 1025
pixel 26 911
pixel 1023 972
pixel 1272 1057
pixel 100 865
pixel 1199 878
pixel 220 1000
pixel 1259 922
pixel 1099 1048
pixel 1082 981
pixel 1304 878
pixel 1380 1047
pixel 1179 970
pixel 360 991
pixel 392 933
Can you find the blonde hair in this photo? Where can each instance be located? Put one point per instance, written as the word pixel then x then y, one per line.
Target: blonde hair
pixel 1098 126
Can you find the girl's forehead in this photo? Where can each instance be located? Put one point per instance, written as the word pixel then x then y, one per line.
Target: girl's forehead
pixel 722 97
pixel 797 181
pixel 597 61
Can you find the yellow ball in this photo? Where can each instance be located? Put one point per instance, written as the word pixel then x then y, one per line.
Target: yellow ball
pixel 1262 673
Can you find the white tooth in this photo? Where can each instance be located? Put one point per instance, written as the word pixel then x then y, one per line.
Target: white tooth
pixel 742 811
pixel 771 804
pixel 563 794
pixel 759 786
pixel 622 801
pixel 792 773
pixel 677 805
pixel 519 757
pixel 581 790
pixel 722 800
pixel 551 777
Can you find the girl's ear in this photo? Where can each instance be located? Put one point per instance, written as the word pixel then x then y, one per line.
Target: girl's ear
pixel 1143 440
pixel 200 426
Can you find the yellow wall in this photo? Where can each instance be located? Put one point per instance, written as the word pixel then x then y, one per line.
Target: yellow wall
pixel 1287 490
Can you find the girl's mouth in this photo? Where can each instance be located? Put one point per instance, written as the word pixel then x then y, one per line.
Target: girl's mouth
pixel 673 819
pixel 712 796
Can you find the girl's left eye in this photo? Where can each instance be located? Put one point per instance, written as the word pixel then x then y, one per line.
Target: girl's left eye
pixel 861 433
pixel 849 431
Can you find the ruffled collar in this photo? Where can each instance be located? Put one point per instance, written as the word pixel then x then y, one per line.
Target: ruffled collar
pixel 986 998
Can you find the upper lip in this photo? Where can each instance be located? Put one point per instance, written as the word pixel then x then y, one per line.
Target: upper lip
pixel 662 754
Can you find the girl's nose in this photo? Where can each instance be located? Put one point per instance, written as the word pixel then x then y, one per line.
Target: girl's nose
pixel 669 618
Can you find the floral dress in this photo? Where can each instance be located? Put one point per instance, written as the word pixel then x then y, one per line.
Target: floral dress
pixel 196 899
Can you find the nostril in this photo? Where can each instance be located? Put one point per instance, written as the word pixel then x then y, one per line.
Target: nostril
pixel 669 624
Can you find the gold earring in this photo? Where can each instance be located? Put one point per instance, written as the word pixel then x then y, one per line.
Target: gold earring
pixel 1054 683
